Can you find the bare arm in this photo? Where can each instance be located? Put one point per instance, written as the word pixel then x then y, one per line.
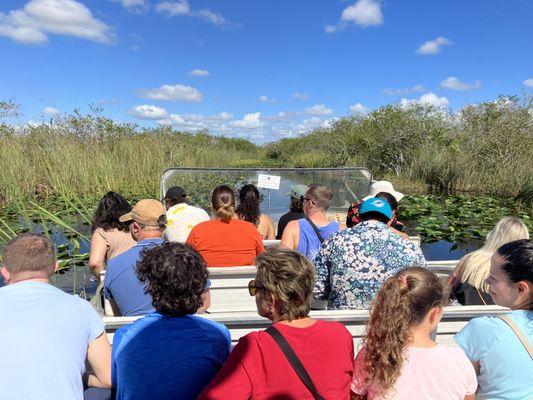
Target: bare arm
pixel 97 254
pixel 290 235
pixel 99 358
pixel 470 396
pixel 206 297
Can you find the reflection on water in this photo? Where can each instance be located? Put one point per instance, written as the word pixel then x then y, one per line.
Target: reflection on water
pixel 444 250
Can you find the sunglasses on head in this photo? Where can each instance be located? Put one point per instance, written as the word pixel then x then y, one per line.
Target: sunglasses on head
pixel 252 287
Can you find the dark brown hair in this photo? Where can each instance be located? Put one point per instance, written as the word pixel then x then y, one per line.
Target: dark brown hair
pixel 248 208
pixel 518 256
pixel 175 275
pixel 29 252
pixel 110 208
pixel 402 303
pixel 223 201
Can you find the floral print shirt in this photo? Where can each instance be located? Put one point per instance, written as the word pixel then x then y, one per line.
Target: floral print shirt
pixel 352 264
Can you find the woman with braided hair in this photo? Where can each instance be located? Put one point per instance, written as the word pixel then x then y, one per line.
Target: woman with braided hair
pixel 399 359
pixel 226 241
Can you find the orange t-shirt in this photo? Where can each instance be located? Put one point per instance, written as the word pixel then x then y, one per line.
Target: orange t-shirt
pixel 226 244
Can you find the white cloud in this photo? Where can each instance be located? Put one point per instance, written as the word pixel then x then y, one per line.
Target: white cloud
pixel 403 91
pixel 266 99
pixel 50 111
pixel 199 72
pixel 301 96
pixel 176 92
pixel 434 46
pixel 147 111
pixel 430 99
pixel 308 125
pixel 224 116
pixel 172 9
pixel 528 82
pixel 360 109
pixel 182 8
pixel 38 18
pixel 318 109
pixel 134 6
pixel 211 16
pixel 249 121
pixel 363 13
pixel 195 122
pixel 330 28
pixel 455 84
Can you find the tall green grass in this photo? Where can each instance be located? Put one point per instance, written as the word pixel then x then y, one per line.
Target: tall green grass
pixel 73 161
pixel 485 149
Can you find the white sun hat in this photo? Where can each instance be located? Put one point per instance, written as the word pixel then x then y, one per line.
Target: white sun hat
pixel 383 186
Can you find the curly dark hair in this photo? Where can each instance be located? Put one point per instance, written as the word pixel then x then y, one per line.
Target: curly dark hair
pixel 175 275
pixel 110 208
pixel 248 208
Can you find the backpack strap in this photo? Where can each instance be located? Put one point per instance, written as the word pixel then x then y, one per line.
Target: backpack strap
pixel 518 333
pixel 315 228
pixel 293 359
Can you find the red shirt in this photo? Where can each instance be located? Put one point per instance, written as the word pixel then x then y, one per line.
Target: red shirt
pixel 258 369
pixel 226 244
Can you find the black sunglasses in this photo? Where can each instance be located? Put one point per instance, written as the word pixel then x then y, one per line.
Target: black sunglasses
pixel 252 287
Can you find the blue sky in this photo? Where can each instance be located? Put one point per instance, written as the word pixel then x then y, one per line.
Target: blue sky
pixel 259 69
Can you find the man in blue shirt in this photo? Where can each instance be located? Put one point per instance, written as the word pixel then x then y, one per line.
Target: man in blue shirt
pixel 122 287
pixel 171 353
pixel 47 334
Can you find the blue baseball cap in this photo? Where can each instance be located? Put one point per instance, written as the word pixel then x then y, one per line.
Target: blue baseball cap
pixel 377 205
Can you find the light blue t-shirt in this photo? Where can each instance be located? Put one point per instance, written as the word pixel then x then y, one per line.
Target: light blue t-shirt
pixel 44 333
pixel 506 367
pixel 122 285
pixel 308 242
pixel 160 357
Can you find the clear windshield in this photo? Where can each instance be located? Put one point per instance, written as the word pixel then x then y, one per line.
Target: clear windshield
pixel 348 184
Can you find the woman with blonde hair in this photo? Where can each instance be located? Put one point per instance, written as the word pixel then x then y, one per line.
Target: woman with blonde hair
pixel 225 240
pixel 399 359
pixel 264 364
pixel 468 280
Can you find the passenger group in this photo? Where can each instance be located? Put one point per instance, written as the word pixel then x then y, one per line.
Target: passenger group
pixel 155 258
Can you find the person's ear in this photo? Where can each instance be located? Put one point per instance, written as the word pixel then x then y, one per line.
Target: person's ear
pixel 269 299
pixel 6 275
pixel 525 288
pixel 435 314
pixel 56 267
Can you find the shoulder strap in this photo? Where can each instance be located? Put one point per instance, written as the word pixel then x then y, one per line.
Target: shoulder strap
pixel 518 333
pixel 320 238
pixel 294 361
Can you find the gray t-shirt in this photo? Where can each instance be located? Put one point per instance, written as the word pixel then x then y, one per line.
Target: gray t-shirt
pixel 44 334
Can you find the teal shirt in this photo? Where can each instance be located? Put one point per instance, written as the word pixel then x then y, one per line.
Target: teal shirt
pixel 506 367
